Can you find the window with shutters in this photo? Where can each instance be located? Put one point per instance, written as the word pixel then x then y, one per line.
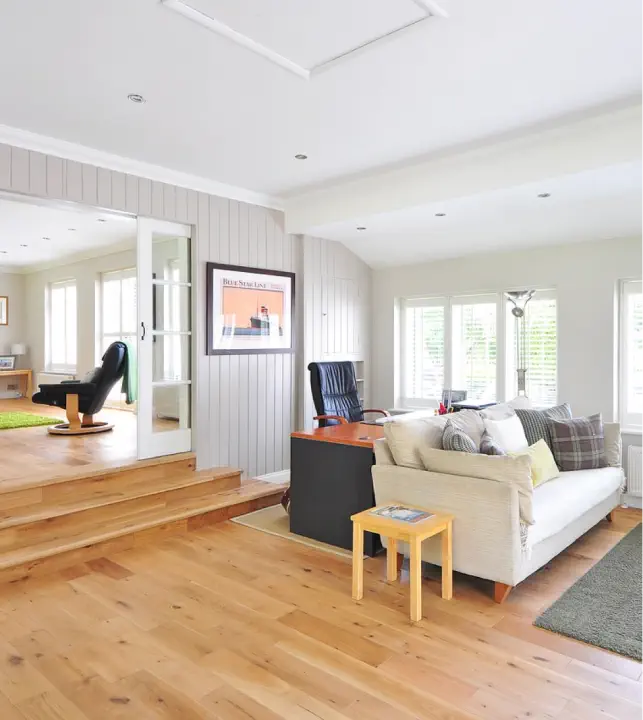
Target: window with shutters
pixel 631 354
pixel 541 350
pixel 61 326
pixel 469 343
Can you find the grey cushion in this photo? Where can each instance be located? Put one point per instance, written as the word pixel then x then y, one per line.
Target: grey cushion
pixel 579 443
pixel 455 439
pixel 535 422
pixel 488 446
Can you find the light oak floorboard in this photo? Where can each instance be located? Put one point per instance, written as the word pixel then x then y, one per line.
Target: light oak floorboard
pixel 227 622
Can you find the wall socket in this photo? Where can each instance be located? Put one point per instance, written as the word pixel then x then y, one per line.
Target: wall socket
pixel 12 386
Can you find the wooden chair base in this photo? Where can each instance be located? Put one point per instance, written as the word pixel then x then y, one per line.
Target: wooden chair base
pixel 69 429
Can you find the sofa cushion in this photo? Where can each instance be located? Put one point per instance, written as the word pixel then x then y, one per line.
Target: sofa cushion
pixel 564 499
pixel 470 422
pixel 514 471
pixel 534 422
pixel 405 438
pixel 613 444
pixel 543 465
pixel 488 446
pixel 579 443
pixel 507 433
pixel 455 439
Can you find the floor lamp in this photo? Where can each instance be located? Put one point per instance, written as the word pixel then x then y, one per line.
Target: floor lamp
pixel 519 300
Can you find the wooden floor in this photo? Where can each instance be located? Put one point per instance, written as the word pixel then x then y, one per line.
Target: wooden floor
pixel 231 623
pixel 33 452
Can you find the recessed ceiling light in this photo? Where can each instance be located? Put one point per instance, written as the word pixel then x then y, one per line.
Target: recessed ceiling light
pixel 135 98
pixel 440 214
pixel 301 156
pixel 46 238
pixel 71 229
pixel 3 252
pixel 360 227
pixel 23 245
pixel 544 195
pixel 101 220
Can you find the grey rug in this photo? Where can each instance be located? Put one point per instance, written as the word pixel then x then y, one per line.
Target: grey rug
pixel 603 608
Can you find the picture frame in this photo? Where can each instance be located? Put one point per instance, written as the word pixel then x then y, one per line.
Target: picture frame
pixel 249 310
pixel 7 362
pixel 4 310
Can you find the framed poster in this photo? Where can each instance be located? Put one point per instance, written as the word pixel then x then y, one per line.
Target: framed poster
pixel 4 310
pixel 249 310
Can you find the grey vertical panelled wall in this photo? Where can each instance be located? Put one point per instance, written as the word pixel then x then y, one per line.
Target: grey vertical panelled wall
pixel 335 321
pixel 245 403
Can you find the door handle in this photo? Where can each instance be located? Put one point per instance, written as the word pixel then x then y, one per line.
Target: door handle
pixel 143 331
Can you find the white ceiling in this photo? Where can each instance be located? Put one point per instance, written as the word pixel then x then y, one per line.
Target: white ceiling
pixel 35 235
pixel 597 205
pixel 218 110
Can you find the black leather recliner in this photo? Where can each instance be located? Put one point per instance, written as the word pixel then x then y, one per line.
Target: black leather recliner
pixel 86 396
pixel 335 394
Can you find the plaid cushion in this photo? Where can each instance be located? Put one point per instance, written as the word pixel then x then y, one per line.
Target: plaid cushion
pixel 488 446
pixel 455 439
pixel 535 422
pixel 578 444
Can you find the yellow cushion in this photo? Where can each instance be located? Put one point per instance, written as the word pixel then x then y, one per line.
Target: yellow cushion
pixel 543 465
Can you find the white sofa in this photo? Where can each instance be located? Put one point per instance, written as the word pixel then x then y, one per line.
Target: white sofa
pixel 489 539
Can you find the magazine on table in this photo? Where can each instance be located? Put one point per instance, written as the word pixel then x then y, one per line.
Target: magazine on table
pixel 402 513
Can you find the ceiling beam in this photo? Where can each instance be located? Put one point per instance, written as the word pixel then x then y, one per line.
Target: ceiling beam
pixel 600 140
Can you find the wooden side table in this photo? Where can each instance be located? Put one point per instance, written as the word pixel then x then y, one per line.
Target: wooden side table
pixel 413 534
pixel 26 374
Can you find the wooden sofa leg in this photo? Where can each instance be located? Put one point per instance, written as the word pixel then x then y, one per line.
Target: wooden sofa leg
pixel 501 591
pixel 400 561
pixel 609 517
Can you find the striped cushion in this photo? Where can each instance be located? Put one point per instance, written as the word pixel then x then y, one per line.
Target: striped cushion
pixel 579 444
pixel 455 439
pixel 488 446
pixel 535 422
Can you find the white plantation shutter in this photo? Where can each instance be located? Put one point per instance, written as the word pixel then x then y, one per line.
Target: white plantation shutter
pixel 474 346
pixel 423 349
pixel 541 346
pixel 62 326
pixel 631 348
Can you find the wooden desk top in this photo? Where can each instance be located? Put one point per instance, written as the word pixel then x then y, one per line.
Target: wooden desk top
pixel 357 434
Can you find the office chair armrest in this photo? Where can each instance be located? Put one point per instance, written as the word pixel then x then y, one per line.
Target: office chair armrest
pixel 385 413
pixel 75 388
pixel 339 418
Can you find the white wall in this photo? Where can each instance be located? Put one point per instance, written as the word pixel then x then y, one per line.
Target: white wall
pixel 585 277
pixel 87 275
pixel 335 314
pixel 13 286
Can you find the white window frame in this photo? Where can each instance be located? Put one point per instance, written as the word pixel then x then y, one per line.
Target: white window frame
pixel 50 366
pixel 504 386
pixel 629 421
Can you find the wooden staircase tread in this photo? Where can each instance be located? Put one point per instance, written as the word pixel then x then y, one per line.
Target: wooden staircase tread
pixel 13 517
pixel 16 484
pixel 142 520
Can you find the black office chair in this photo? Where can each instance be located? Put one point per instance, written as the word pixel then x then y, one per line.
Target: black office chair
pixel 334 388
pixel 86 396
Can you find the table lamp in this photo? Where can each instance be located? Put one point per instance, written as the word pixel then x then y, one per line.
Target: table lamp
pixel 18 349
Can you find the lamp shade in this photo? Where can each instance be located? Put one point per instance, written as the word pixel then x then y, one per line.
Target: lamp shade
pixel 19 349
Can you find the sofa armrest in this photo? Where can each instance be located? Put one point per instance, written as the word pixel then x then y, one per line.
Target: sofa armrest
pixel 486 526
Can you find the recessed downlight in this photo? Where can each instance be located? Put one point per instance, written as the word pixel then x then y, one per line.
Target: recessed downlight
pixel 301 156
pixel 23 245
pixel 361 227
pixel 3 252
pixel 101 220
pixel 544 195
pixel 440 214
pixel 71 229
pixel 46 238
pixel 135 98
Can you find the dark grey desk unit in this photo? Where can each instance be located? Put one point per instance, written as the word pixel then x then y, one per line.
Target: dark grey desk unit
pixel 330 480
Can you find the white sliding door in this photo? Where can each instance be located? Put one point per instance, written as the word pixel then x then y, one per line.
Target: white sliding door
pixel 164 338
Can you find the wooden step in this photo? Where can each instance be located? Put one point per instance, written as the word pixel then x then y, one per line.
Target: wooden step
pixel 102 484
pixel 114 533
pixel 115 491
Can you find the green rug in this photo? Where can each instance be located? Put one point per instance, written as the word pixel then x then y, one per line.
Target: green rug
pixel 603 608
pixel 12 420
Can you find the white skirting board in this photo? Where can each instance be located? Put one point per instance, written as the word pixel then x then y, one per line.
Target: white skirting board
pixel 279 477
